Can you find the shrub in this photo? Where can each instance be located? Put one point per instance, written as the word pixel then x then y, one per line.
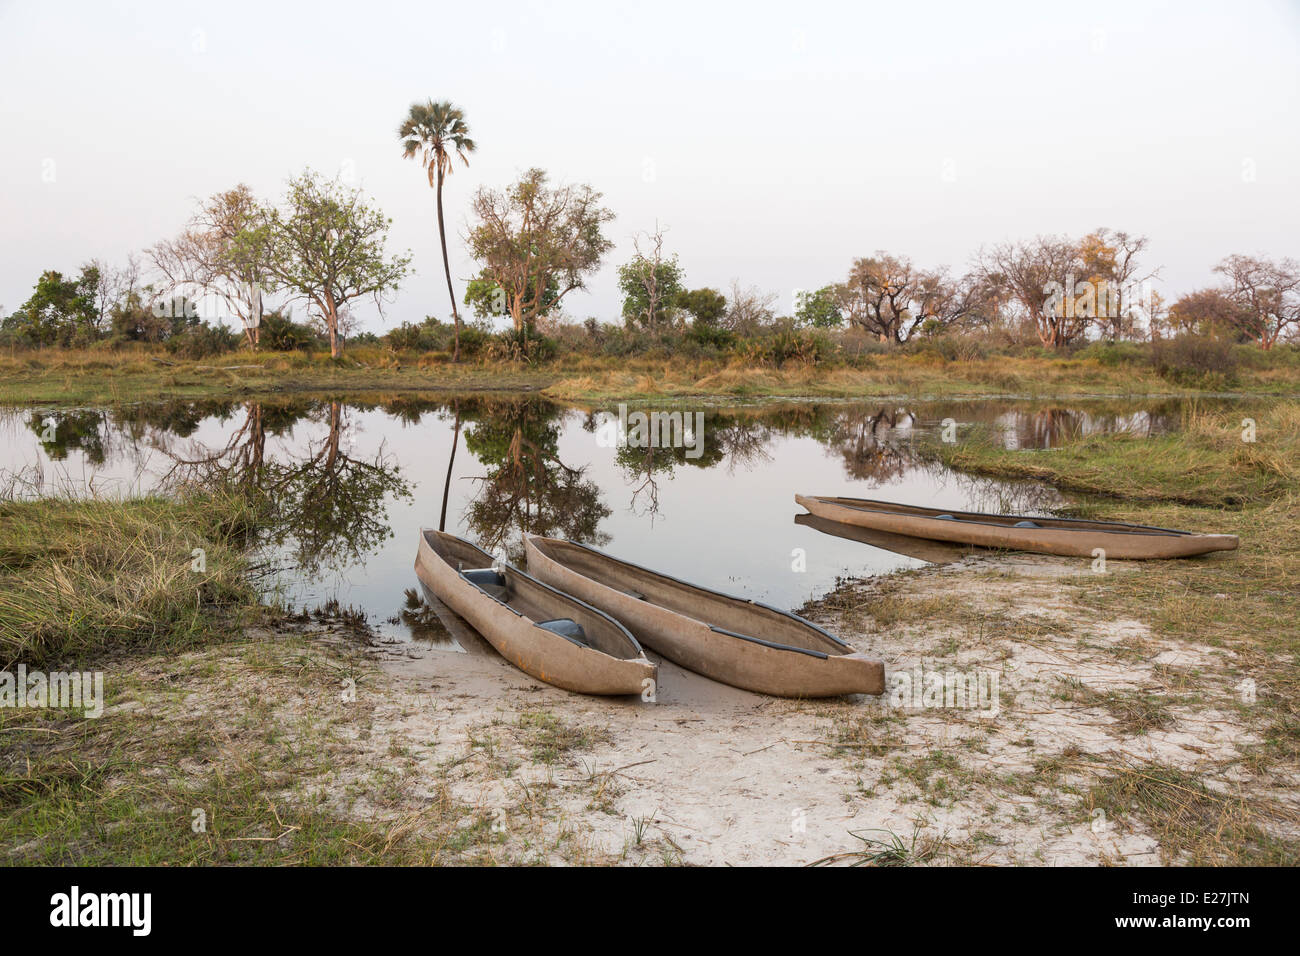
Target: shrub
pixel 519 346
pixel 711 335
pixel 787 344
pixel 280 334
pixel 1195 361
pixel 1113 354
pixel 203 341
pixel 474 338
pixel 951 348
pixel 406 337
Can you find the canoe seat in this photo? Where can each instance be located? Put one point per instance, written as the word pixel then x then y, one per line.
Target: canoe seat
pixel 1026 524
pixel 944 518
pixel 488 580
pixel 568 629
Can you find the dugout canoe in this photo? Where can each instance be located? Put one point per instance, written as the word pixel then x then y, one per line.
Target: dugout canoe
pixel 733 640
pixel 1072 537
pixel 544 632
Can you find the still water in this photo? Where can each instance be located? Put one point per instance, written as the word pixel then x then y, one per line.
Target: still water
pixel 352 481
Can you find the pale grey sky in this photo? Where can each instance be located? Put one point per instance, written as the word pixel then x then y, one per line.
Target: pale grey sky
pixel 776 142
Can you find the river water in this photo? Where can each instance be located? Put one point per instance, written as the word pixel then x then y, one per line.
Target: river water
pixel 353 479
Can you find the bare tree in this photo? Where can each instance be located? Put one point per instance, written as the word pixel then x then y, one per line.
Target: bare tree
pixel 222 252
pixel 1269 292
pixel 891 298
pixel 1039 277
pixel 651 282
pixel 1112 264
pixel 749 309
pixel 113 286
pixel 1211 312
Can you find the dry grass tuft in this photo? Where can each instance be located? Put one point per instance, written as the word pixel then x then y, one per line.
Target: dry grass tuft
pixel 80 576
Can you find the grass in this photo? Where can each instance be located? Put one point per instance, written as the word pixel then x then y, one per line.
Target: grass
pixel 1135 712
pixel 1195 825
pixel 79 578
pixel 1205 463
pixel 549 738
pixel 102 376
pixel 1203 477
pixel 886 848
pixel 917 376
pixel 256 774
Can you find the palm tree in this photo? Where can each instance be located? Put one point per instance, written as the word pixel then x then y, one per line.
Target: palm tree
pixel 433 131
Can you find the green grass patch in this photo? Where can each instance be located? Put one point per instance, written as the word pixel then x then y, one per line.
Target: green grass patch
pixel 1208 462
pixel 80 577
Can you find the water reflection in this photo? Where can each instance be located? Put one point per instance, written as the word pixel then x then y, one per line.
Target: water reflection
pixel 321 505
pixel 343 485
pixel 922 549
pixel 526 487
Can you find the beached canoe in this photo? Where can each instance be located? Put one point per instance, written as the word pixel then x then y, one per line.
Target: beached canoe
pixel 1072 537
pixel 729 639
pixel 542 631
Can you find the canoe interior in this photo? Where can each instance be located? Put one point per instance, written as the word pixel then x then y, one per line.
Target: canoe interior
pixel 531 599
pixel 1062 524
pixel 739 617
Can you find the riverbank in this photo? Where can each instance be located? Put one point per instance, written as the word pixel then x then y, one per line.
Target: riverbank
pixel 1143 715
pixel 88 377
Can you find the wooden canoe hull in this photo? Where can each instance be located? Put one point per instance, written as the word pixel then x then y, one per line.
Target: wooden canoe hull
pixel 1056 536
pixel 535 651
pixel 751 663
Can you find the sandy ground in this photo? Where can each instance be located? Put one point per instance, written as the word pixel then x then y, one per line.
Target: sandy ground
pixel 708 774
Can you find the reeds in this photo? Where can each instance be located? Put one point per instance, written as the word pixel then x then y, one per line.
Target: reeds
pixel 78 576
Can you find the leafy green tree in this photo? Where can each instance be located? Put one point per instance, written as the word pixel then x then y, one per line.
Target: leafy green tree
pixel 61 311
pixel 433 131
pixel 818 309
pixel 327 246
pixel 532 234
pixel 707 306
pixel 650 283
pixel 488 300
pixel 650 290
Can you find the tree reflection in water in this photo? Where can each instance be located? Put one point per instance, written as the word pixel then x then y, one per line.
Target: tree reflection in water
pixel 527 489
pixel 323 507
pixel 874 444
pixel 727 437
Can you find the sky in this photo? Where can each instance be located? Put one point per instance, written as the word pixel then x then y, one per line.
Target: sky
pixel 774 143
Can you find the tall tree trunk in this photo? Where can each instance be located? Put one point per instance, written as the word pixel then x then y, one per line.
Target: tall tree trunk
pixel 446 485
pixel 333 322
pixel 446 265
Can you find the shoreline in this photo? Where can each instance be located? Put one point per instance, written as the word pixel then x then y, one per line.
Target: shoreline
pixel 99 378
